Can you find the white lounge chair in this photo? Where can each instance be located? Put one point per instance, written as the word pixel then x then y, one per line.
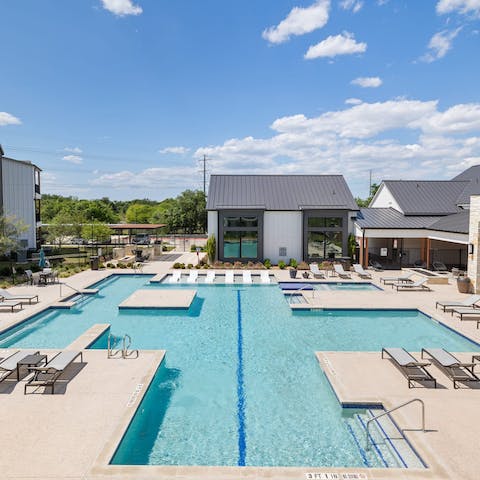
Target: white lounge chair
pixel 11 304
pixel 229 278
pixel 210 278
pixel 8 296
pixel 401 279
pixel 175 278
pixel 265 277
pixel 340 271
pixel 316 271
pixel 47 375
pixel 468 302
pixel 361 272
pixel 420 285
pixel 10 364
pixel 192 278
pixel 247 276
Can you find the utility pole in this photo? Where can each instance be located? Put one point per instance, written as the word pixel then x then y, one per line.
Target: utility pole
pixel 204 175
pixel 370 184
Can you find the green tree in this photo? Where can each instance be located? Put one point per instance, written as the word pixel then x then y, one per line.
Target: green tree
pixel 365 202
pixel 188 213
pixel 10 231
pixel 64 224
pixel 97 232
pixel 139 213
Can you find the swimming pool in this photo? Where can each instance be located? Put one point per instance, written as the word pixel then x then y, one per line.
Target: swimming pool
pixel 326 286
pixel 240 384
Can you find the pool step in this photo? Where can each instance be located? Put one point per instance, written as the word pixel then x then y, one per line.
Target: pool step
pixel 295 298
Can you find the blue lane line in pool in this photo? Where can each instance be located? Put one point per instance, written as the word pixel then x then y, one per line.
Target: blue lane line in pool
pixel 242 443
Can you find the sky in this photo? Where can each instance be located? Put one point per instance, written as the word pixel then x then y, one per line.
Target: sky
pixel 123 98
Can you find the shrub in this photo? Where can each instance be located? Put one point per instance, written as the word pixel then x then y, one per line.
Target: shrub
pixel 227 265
pixel 267 263
pixel 206 266
pixel 177 265
pixel 5 272
pixel 190 265
pixel 110 265
pixel 193 247
pixel 293 263
pixel 303 266
pixel 238 265
pixel 281 265
pixel 211 248
pixel 218 264
pixel 198 267
pixel 129 265
pixel 250 264
pixel 122 265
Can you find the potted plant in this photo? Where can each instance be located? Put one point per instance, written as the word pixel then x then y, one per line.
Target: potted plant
pixel 293 268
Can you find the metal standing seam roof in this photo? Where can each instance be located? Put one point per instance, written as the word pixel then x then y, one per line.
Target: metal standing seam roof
pixel 389 218
pixel 456 223
pixel 279 192
pixel 431 197
pixel 472 176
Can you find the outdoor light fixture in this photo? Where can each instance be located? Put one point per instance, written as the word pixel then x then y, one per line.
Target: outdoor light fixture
pixel 470 248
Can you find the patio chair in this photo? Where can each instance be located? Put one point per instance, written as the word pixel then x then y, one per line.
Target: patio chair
pixel 361 272
pixel 229 278
pixel 11 304
pixel 401 279
pixel 466 312
pixel 413 370
pixel 452 367
pixel 210 278
pixel 439 267
pixel 340 271
pixel 9 365
pixel 265 277
pixel 377 266
pixel 316 271
pixel 47 375
pixel 29 276
pixel 449 305
pixel 175 278
pixel 192 278
pixel 421 285
pixel 247 276
pixel 6 295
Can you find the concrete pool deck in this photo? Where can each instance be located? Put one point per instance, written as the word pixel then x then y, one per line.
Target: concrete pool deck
pixel 72 435
pixel 159 299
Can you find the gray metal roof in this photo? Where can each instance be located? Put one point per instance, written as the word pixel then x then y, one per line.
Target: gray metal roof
pixel 279 192
pixel 387 218
pixel 432 197
pixel 472 176
pixel 457 223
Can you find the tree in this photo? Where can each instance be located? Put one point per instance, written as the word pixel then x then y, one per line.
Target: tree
pixel 366 202
pixel 10 231
pixel 97 232
pixel 188 212
pixel 64 224
pixel 139 213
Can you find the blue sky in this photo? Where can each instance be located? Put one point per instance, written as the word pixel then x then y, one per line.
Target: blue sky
pixel 122 98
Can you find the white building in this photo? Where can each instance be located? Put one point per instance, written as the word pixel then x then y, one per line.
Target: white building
pixel 20 196
pixel 279 217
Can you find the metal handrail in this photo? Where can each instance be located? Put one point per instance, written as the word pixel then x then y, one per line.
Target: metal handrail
pixel 300 289
pixel 392 410
pixel 125 353
pixel 111 353
pixel 69 286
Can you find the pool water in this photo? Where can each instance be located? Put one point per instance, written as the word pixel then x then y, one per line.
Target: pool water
pixel 240 384
pixel 326 286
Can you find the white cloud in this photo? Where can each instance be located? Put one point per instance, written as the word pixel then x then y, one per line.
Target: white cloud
pixel 175 150
pixel 76 150
pixel 299 22
pixel 353 101
pixel 353 5
pixel 332 46
pixel 439 45
pixel 460 6
pixel 122 7
pixel 367 82
pixel 76 159
pixel 8 119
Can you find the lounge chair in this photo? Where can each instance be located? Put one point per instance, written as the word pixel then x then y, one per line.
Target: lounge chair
pixel 247 276
pixel 340 271
pixel 420 285
pixel 47 375
pixel 316 271
pixel 361 272
pixel 11 304
pixel 439 267
pixel 9 364
pixel 377 266
pixel 29 276
pixel 175 278
pixel 414 370
pixel 265 277
pixel 465 312
pixel 192 278
pixel 468 302
pixel 8 296
pixel 452 367
pixel 210 278
pixel 401 279
pixel 229 278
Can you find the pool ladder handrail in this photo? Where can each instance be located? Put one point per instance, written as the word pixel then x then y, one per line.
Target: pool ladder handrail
pixel 413 400
pixel 111 353
pixel 125 346
pixel 82 295
pixel 295 292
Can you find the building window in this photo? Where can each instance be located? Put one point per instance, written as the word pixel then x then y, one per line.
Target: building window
pixel 37 210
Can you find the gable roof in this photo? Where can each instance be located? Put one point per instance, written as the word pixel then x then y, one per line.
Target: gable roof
pixel 386 218
pixel 472 176
pixel 279 192
pixel 431 197
pixel 457 223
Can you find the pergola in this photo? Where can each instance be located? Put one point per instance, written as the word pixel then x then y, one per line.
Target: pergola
pixel 134 228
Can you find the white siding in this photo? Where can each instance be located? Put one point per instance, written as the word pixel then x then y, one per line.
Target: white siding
pixel 282 229
pixel 384 199
pixel 18 196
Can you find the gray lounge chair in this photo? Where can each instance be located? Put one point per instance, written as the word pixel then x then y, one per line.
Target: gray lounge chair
pixel 453 368
pixel 9 364
pixel 8 296
pixel 420 285
pixel 47 375
pixel 401 279
pixel 316 271
pixel 361 272
pixel 468 302
pixel 414 370
pixel 11 304
pixel 340 271
pixel 465 312
pixel 439 267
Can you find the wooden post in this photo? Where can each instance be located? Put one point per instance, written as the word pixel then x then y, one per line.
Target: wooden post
pixel 360 242
pixel 428 253
pixel 366 252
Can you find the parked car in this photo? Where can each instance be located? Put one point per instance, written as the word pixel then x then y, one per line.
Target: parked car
pixel 141 239
pixel 78 241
